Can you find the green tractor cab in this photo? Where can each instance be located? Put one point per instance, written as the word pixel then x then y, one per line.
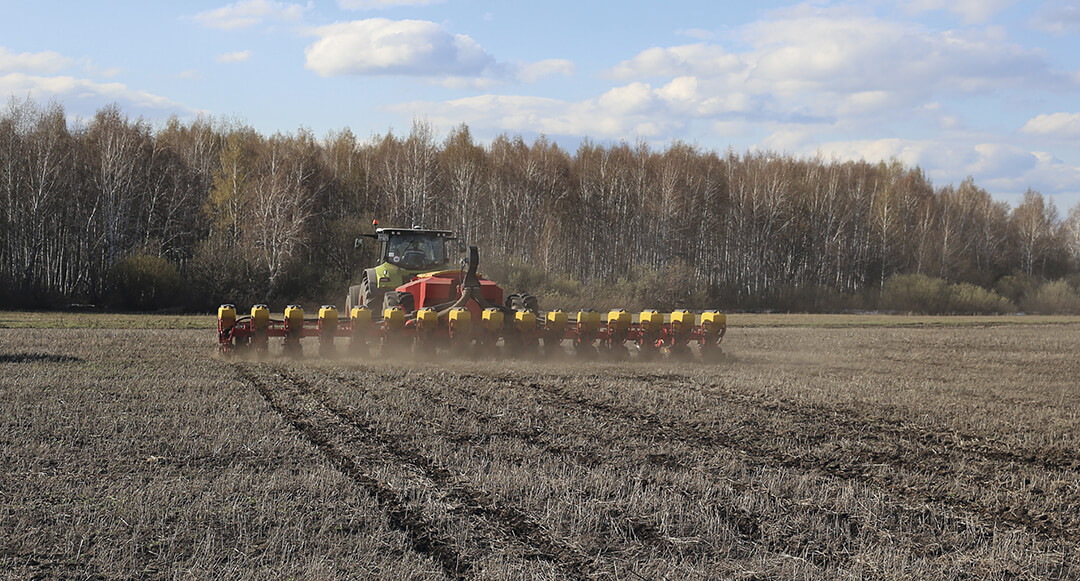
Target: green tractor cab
pixel 404 253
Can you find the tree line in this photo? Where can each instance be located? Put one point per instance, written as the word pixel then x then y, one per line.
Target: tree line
pixel 189 214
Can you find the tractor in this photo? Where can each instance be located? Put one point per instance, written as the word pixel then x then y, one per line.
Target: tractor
pixel 417 299
pixel 404 253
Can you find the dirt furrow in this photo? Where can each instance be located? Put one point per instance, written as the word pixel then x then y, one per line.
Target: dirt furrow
pixel 644 530
pixel 424 535
pixel 974 446
pixel 748 526
pixel 954 443
pixel 753 440
pixel 757 444
pixel 37 566
pixel 865 443
pixel 514 524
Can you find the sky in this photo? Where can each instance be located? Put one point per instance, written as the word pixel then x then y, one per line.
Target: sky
pixel 983 88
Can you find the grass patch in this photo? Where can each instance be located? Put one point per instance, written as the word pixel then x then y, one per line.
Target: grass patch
pixel 76 320
pixel 781 320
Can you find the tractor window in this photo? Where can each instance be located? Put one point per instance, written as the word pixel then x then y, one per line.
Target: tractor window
pixel 416 251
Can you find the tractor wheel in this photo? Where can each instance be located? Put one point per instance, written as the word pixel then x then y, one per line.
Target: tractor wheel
pixel 390 300
pixel 532 303
pixel 369 295
pixel 353 298
pixel 404 300
pixel 408 301
pixel 516 302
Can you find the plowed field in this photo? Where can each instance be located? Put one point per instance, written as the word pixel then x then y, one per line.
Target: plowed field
pixel 830 448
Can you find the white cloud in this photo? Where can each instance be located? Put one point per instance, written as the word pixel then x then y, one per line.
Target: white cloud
pixel 33 62
pixel 36 75
pixel 1005 170
pixel 928 154
pixel 1058 17
pixel 684 96
pixel 635 98
pixel 249 13
pixel 1047 175
pixel 79 83
pixel 1051 175
pixel 692 59
pixel 1060 125
pixel 811 80
pixel 636 109
pixel 403 47
pixel 832 52
pixel 998 160
pixel 698 33
pixel 732 129
pixel 680 90
pixel 829 64
pixel 807 72
pixel 971 11
pixel 621 113
pixel 788 139
pixel 234 57
pixel 864 102
pixel 532 72
pixel 378 46
pixel 371 4
pixel 66 88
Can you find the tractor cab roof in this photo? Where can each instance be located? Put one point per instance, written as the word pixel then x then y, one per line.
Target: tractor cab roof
pixel 386 233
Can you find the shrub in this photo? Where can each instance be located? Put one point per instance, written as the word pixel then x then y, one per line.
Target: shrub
pixel 142 281
pixel 918 293
pixel 1053 298
pixel 967 298
pixel 666 288
pixel 915 293
pixel 1074 281
pixel 515 277
pixel 641 287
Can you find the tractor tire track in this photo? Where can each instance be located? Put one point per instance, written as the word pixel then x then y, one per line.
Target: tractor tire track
pixel 506 520
pixel 424 535
pixel 955 442
pixel 750 442
pixel 907 449
pixel 856 467
pixel 949 455
pixel 975 446
pixel 748 526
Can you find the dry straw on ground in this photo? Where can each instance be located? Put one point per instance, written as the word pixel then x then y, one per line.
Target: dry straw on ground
pixel 837 448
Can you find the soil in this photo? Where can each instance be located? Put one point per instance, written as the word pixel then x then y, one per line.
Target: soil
pixel 839 452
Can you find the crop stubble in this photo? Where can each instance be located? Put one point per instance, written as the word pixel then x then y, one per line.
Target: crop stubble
pixel 821 453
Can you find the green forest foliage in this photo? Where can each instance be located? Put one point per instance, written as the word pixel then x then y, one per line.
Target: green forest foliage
pixel 187 215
